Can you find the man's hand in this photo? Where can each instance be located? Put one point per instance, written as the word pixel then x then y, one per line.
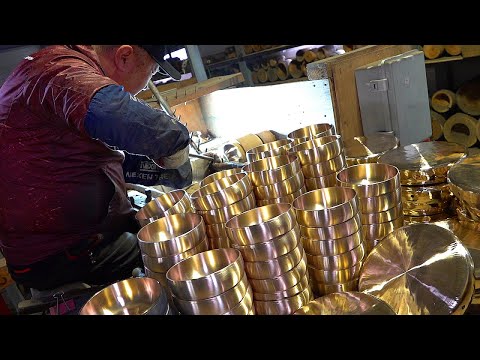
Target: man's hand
pixel 174 161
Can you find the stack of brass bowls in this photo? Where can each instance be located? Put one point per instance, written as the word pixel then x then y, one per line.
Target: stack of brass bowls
pixel 378 189
pixel 274 148
pixel 420 269
pixel 311 132
pixel 368 149
pixel 269 239
pixel 211 283
pixel 219 200
pixel 463 179
pixel 276 179
pixel 135 296
pixel 169 240
pixel 173 202
pixel 423 174
pixel 321 158
pixel 330 225
pixel 346 303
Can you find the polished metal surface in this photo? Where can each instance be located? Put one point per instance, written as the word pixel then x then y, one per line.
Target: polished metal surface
pixel 469 237
pixel 321 182
pixel 281 188
pixel 219 243
pixel 341 230
pixel 424 163
pixel 367 149
pixel 134 296
pixel 218 175
pixel 318 150
pixel 159 276
pixel 288 199
pixel 326 207
pixel 273 169
pixel 464 180
pixel 223 214
pixel 383 216
pixel 270 149
pixel 294 290
pixel 311 131
pixel 271 249
pixel 330 277
pixel 346 303
pixel 324 168
pixel 426 194
pixel 222 192
pixel 325 289
pixel 171 235
pixel 285 306
pixel 216 231
pixel 378 231
pixel 380 203
pixel 206 274
pixel 419 269
pixel 425 219
pixel 173 202
pixel 370 179
pixel 261 224
pixel 337 262
pixel 417 209
pixel 245 306
pixel 333 246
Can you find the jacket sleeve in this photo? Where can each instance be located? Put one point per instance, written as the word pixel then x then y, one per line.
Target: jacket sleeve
pixel 118 119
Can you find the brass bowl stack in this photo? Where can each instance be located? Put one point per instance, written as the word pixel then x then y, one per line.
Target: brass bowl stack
pixel 368 149
pixel 168 240
pixel 173 202
pixel 274 148
pixel 311 132
pixel 220 199
pixel 346 303
pixel 269 239
pixel 276 179
pixel 420 269
pixel 321 158
pixel 378 189
pixel 331 234
pixel 211 283
pixel 423 170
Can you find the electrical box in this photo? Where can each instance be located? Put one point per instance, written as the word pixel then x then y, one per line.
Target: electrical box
pixel 393 96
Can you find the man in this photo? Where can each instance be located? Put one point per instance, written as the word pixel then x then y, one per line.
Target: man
pixel 64 213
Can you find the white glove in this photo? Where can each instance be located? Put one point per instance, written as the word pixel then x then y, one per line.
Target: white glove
pixel 174 161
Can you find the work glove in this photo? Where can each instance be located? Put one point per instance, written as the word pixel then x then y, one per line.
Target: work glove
pixel 174 161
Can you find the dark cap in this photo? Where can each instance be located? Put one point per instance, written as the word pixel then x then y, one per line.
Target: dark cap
pixel 157 52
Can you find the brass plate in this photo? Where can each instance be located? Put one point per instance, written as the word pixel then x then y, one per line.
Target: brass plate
pixel 370 146
pixel 464 180
pixel 426 194
pixel 412 270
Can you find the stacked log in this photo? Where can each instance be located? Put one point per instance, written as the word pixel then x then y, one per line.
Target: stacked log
pixel 436 51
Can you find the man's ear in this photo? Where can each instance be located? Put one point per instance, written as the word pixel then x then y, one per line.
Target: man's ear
pixel 124 58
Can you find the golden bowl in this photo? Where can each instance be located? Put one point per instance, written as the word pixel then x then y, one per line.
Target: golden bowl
pixel 332 247
pixel 318 150
pixel 273 169
pixel 288 199
pixel 219 243
pixel 311 131
pixel 280 189
pixel 245 306
pixel 337 231
pixel 337 262
pixel 216 231
pixel 223 214
pixel 294 290
pixel 270 149
pixel 378 231
pixel 285 306
pixel 325 289
pixel 324 168
pixel 335 276
pixel 219 175
pixel 321 182
pixel 383 216
pixel 380 203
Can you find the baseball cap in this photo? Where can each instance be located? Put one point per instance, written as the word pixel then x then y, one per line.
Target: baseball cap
pixel 157 52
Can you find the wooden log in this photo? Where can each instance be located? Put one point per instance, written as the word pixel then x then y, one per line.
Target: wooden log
pixel 272 74
pixel 254 77
pixel 256 48
pixel 262 76
pixel 282 69
pixel 348 48
pixel 264 65
pixel 310 56
pixel 470 50
pixel 329 50
pixel 248 49
pixel 443 100
pixel 461 128
pixel 256 67
pixel 304 68
pixel 438 121
pixel 320 54
pixel 266 136
pixel 468 97
pixel 299 55
pixel 265 47
pixel 453 49
pixel 295 69
pixel 433 51
pixel 272 62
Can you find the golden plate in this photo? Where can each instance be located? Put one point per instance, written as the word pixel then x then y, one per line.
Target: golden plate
pixel 369 148
pixel 464 180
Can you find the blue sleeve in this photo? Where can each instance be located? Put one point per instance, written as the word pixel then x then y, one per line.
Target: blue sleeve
pixel 118 119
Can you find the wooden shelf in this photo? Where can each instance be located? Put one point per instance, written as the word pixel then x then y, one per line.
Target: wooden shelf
pixel 223 63
pixel 303 78
pixel 444 59
pixel 267 51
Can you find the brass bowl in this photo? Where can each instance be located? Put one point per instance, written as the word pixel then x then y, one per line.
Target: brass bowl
pixel 171 235
pixel 274 267
pixel 159 276
pixel 162 264
pixel 288 199
pixel 273 169
pixel 370 179
pixel 219 243
pixel 282 282
pixel 367 149
pixel 223 192
pixel 216 231
pixel 331 277
pixel 134 296
pixel 219 175
pixel 424 163
pixel 379 231
pixel 321 182
pixel 325 289
pixel 318 150
pixel 311 131
pixel 284 306
pixel 382 216
pixel 337 262
pixel 280 189
pixel 270 149
pixel 425 194
pixel 332 247
pixel 206 274
pixel 294 290
pixel 337 231
pixel 324 168
pixel 245 306
pixel 380 203
pixel 223 214
pixel 261 224
pixel 346 303
pixel 215 305
pixel 271 249
pixel 326 207
pixel 173 202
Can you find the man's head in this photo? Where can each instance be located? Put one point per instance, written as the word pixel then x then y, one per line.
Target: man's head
pixel 131 66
